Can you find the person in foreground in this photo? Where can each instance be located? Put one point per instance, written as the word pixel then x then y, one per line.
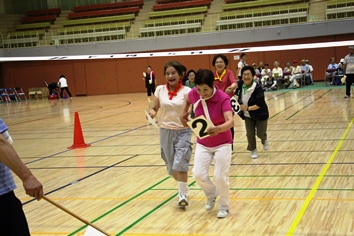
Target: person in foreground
pixel 215 105
pixel 12 218
pixel 255 110
pixel 175 139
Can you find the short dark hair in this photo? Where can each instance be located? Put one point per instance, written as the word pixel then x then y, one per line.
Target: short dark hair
pixel 191 71
pixel 223 57
pixel 250 68
pixel 62 76
pixel 204 76
pixel 175 64
pixel 149 67
pixel 242 55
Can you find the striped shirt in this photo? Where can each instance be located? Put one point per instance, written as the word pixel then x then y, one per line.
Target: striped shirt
pixel 7 183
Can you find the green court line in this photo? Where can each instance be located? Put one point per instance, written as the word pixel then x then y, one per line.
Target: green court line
pixel 308 105
pixel 292 105
pixel 149 213
pixel 120 205
pixel 278 95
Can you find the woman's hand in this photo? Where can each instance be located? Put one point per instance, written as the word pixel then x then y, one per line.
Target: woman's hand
pixel 152 113
pixel 243 107
pixel 184 118
pixel 213 131
pixel 228 90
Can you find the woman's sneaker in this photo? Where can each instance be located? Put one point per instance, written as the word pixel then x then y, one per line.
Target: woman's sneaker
pixel 254 154
pixel 182 200
pixel 266 145
pixel 223 213
pixel 210 203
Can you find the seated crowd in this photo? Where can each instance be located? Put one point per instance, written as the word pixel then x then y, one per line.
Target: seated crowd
pixel 334 72
pixel 290 77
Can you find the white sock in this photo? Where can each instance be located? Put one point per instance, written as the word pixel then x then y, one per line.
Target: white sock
pixel 183 186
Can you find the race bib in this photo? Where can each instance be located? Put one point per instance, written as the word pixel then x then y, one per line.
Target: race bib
pixel 199 126
pixel 235 105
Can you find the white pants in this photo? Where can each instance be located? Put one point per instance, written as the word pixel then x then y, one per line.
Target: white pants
pixel 294 78
pixel 222 160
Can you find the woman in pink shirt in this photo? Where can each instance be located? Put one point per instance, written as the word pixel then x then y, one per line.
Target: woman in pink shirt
pixel 224 78
pixel 215 105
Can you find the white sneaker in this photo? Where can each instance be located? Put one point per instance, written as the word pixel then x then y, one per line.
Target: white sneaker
pixel 266 145
pixel 223 213
pixel 182 200
pixel 254 154
pixel 346 96
pixel 210 203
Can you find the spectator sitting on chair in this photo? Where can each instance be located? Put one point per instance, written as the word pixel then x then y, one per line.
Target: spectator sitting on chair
pixel 271 84
pixel 266 75
pixel 340 70
pixel 260 66
pixel 305 69
pixel 258 74
pixel 288 69
pixel 277 75
pixel 295 75
pixel 311 70
pixel 333 66
pixel 64 86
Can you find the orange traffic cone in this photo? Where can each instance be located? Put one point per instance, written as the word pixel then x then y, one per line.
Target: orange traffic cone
pixel 79 141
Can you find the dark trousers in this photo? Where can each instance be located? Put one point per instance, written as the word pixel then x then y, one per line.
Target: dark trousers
pixel 62 90
pixel 348 83
pixel 150 91
pixel 253 126
pixel 12 217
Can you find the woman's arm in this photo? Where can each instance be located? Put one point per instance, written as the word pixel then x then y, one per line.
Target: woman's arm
pixel 249 108
pixel 231 88
pixel 186 111
pixel 229 122
pixel 155 108
pixel 10 158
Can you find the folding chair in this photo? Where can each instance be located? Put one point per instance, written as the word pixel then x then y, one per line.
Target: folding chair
pixel 11 94
pixel 4 96
pixel 19 92
pixel 329 76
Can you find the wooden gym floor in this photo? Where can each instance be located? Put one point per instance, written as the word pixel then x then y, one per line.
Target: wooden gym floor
pixel 304 185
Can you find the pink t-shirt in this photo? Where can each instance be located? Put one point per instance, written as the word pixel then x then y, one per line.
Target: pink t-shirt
pixel 217 105
pixel 227 80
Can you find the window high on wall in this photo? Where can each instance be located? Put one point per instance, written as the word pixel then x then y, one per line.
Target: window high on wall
pixel 21 7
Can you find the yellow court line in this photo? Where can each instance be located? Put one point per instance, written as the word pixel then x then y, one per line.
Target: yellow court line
pixel 203 199
pixel 304 206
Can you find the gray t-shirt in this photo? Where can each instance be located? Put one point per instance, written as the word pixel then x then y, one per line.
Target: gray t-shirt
pixel 349 62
